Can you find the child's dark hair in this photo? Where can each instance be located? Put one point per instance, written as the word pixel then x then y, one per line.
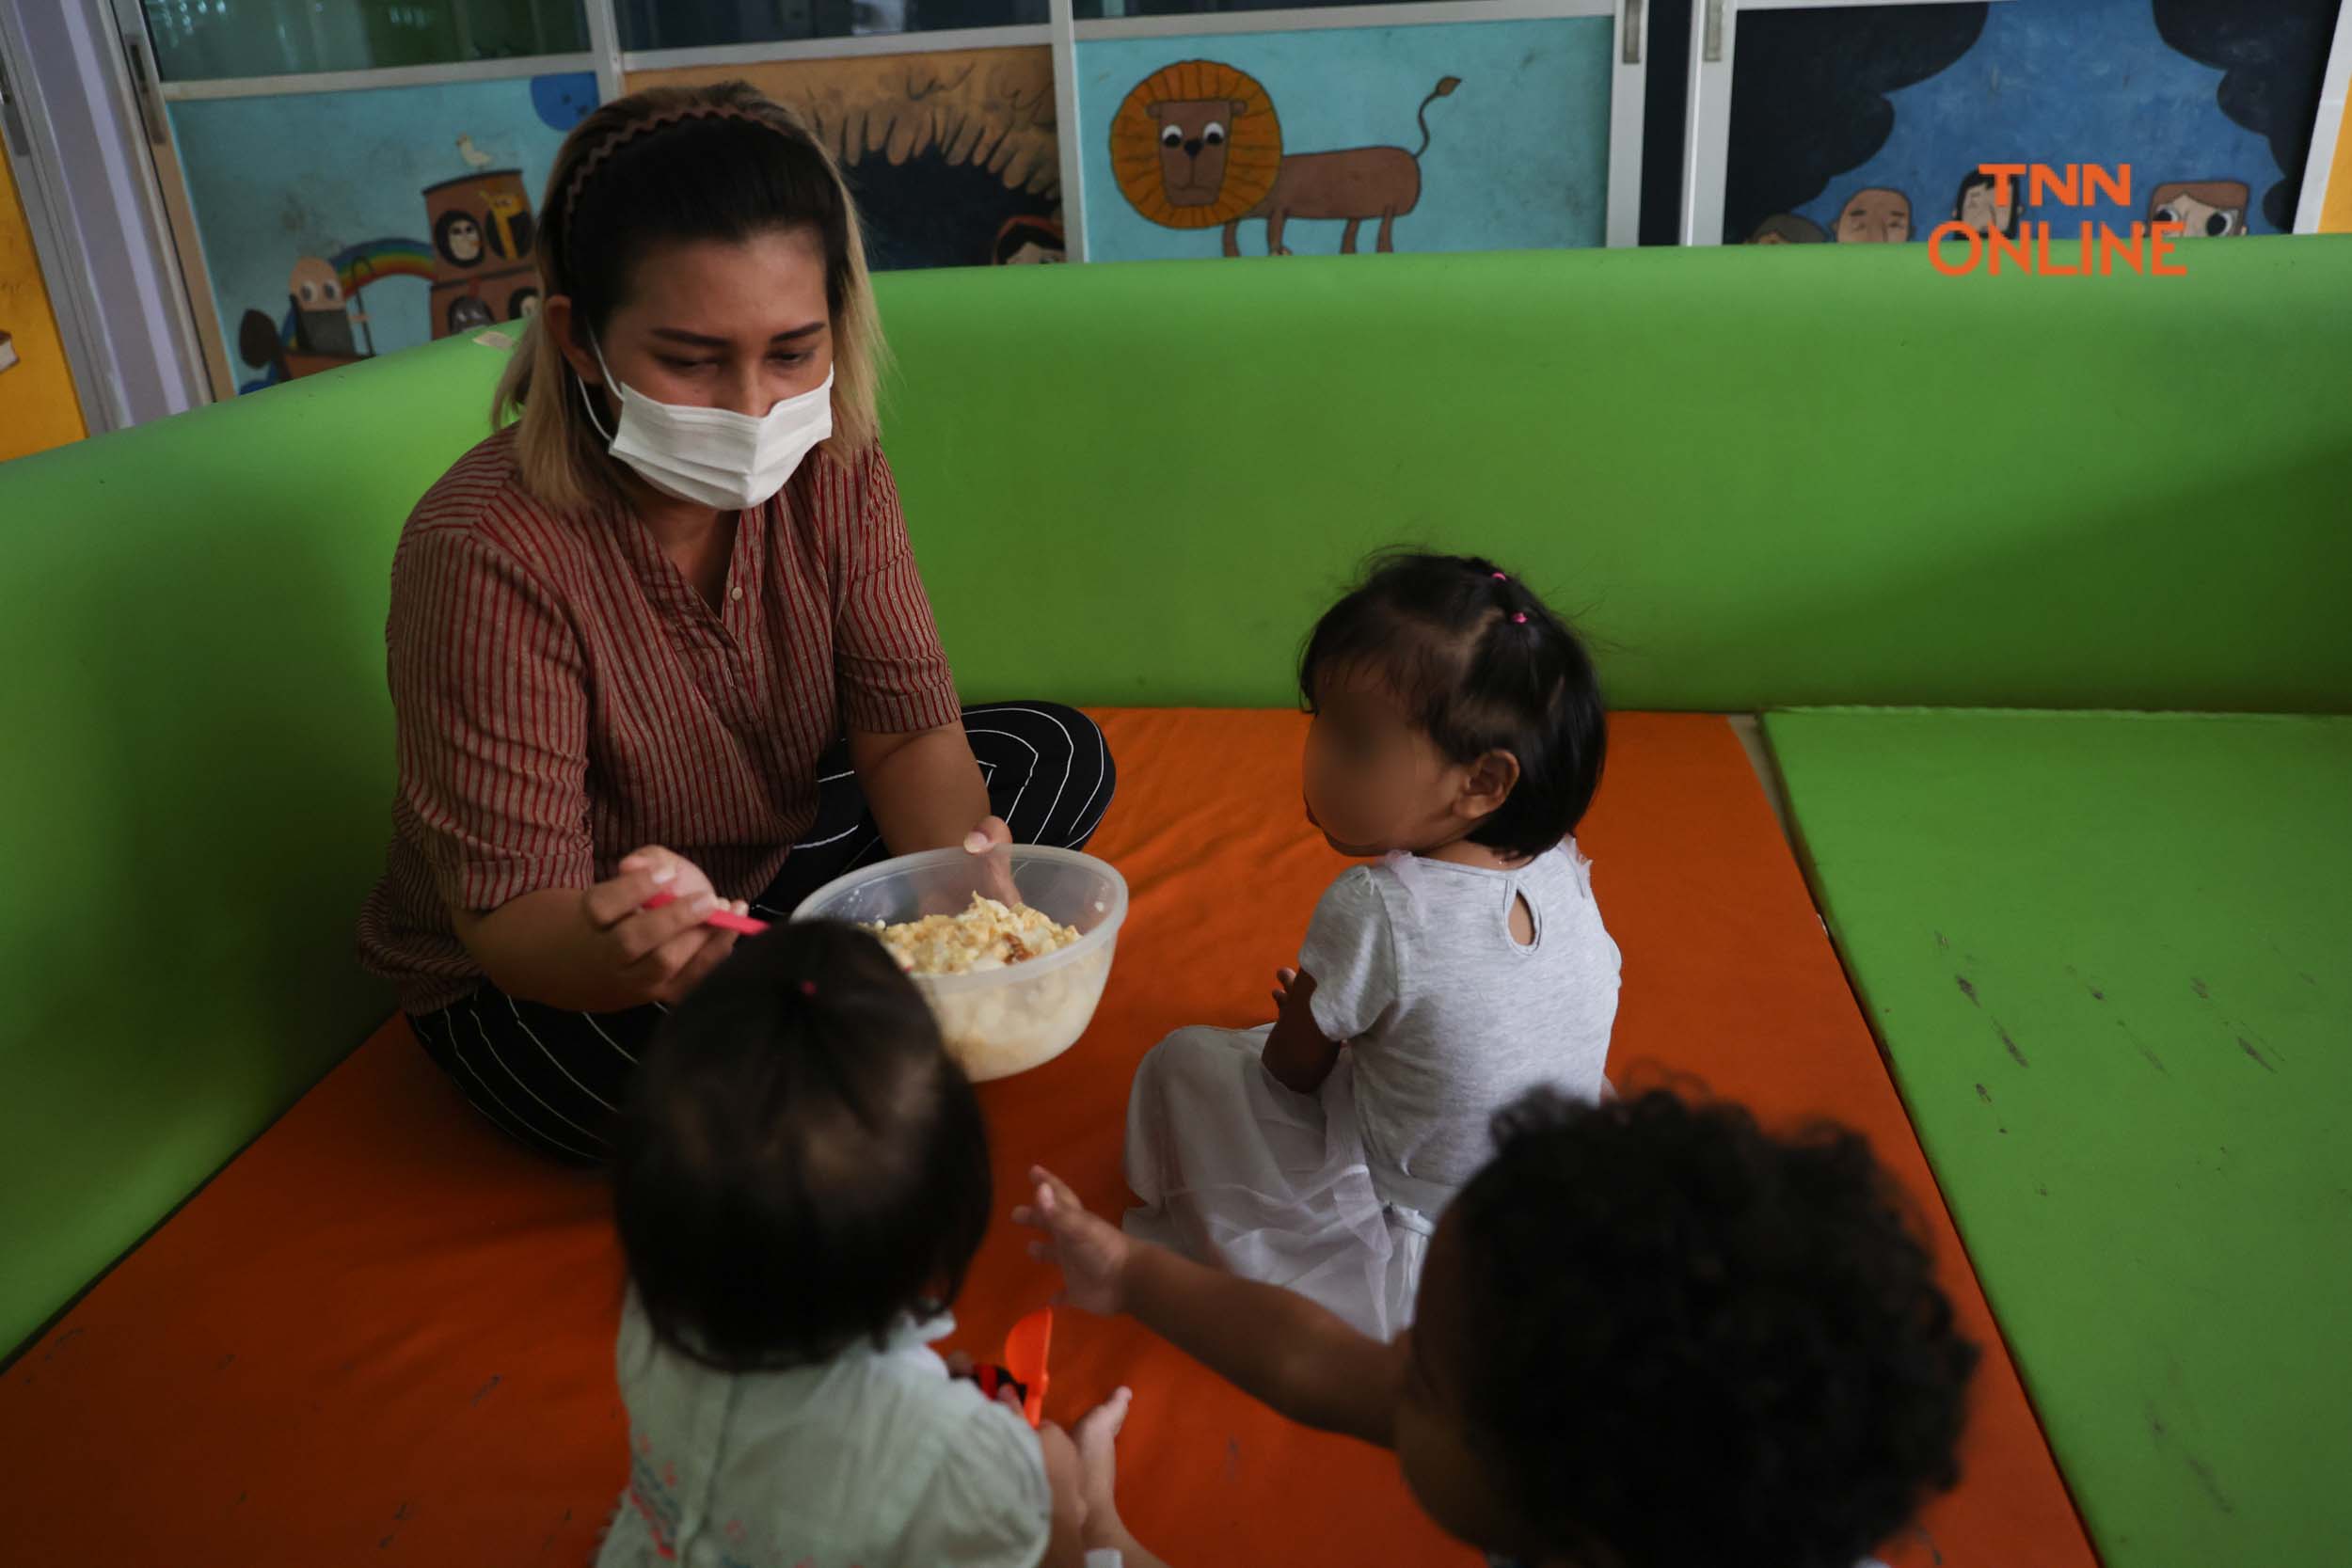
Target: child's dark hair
pixel 800 1162
pixel 1481 665
pixel 1690 1341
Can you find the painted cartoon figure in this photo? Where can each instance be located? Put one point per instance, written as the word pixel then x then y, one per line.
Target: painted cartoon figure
pixel 321 324
pixel 1025 241
pixel 466 313
pixel 1192 139
pixel 1875 215
pixel 2204 209
pixel 315 331
pixel 1197 145
pixel 509 223
pixel 1979 205
pixel 458 238
pixel 1787 229
pixel 482 238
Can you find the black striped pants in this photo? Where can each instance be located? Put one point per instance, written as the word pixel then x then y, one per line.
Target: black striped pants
pixel 555 1079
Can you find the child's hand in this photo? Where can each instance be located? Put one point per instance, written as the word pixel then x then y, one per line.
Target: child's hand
pixel 988 843
pixel 1092 1252
pixel 1294 992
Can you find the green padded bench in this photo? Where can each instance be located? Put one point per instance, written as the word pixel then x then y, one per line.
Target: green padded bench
pixel 2110 958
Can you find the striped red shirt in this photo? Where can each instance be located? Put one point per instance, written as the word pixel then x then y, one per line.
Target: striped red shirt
pixel 563 695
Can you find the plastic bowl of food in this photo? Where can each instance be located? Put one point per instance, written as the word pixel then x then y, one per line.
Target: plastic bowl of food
pixel 1009 1015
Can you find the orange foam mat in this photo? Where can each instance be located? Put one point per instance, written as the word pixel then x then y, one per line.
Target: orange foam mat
pixel 383 1335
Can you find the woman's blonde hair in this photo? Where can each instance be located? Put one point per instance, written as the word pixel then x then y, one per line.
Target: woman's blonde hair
pixel 668 163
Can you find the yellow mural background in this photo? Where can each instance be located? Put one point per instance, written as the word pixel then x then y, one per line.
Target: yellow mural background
pixel 38 409
pixel 2335 209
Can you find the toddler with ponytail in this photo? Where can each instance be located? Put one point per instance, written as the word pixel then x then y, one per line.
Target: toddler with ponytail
pixel 1456 742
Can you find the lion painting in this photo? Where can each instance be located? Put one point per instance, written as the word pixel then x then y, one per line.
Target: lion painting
pixel 1197 145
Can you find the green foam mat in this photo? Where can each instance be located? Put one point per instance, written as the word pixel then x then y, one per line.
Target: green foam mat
pixel 2107 954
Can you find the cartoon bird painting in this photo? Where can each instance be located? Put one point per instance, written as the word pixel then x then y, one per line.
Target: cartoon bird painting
pixel 474 156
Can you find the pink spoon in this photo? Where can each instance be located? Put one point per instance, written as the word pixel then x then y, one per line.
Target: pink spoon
pixel 725 919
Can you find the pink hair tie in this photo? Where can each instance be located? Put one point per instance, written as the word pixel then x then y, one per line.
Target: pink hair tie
pixel 1502 577
pixel 1521 618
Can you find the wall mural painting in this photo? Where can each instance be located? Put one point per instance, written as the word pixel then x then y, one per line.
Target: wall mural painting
pixel 1197 145
pixel 2335 213
pixel 340 226
pixel 1849 125
pixel 38 408
pixel 1029 241
pixel 952 154
pixel 1467 136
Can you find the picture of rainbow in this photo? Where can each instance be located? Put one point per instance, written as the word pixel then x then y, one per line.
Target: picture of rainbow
pixel 363 264
pixel 355 266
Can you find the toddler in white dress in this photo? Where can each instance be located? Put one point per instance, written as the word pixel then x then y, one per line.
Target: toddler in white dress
pixel 1457 737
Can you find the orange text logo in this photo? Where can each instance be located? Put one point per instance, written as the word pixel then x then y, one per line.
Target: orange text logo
pixel 2042 248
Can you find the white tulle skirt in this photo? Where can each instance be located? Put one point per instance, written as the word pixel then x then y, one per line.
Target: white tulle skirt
pixel 1237 1171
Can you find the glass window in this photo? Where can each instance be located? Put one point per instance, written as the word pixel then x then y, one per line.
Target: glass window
pixel 1099 10
pixel 704 24
pixel 200 39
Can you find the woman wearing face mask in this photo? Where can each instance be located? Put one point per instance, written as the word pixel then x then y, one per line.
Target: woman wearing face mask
pixel 663 634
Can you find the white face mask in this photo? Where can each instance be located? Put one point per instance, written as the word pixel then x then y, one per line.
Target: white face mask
pixel 713 456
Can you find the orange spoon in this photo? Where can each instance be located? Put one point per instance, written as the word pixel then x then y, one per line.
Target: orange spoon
pixel 722 917
pixel 1025 1350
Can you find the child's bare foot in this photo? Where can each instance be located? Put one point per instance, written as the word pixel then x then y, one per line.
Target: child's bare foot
pixel 1097 1437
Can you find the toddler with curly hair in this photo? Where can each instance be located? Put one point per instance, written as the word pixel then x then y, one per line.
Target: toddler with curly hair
pixel 1648 1333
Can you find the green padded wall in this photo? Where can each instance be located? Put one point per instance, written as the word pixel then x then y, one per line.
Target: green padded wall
pixel 196 790
pixel 1764 476
pixel 1761 475
pixel 2107 956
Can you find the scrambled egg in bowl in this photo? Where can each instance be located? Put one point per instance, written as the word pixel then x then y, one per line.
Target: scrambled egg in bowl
pixel 986 935
pixel 1012 979
pixel 1008 1029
